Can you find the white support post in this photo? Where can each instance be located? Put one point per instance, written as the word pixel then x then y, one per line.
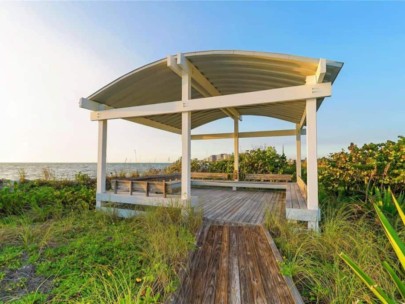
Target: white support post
pixel 186 140
pixel 298 146
pixel 235 150
pixel 312 160
pixel 102 158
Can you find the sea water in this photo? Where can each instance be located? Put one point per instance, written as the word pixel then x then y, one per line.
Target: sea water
pixel 69 170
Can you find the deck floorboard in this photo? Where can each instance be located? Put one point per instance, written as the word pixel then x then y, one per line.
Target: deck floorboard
pixel 228 206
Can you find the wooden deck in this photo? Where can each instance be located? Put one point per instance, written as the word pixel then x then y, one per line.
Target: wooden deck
pixel 236 260
pixel 249 207
pixel 246 205
pixel 235 264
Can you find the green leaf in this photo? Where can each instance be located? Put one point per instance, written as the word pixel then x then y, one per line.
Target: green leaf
pixel 393 237
pixel 377 290
pixel 400 285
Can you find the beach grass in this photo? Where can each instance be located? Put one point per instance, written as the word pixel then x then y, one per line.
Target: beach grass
pixel 312 258
pixel 93 257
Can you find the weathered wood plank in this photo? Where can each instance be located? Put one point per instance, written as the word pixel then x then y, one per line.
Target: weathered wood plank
pixel 221 292
pixel 235 264
pixel 246 292
pixel 269 177
pixel 211 272
pixel 258 294
pixel 209 175
pixel 234 294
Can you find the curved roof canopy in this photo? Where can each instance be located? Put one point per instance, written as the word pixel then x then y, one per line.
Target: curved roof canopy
pixel 227 72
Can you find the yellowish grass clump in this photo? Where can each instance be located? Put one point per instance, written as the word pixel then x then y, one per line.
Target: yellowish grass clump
pixel 312 258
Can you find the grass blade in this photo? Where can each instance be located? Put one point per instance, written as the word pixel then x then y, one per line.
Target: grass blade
pixel 393 237
pixel 400 285
pixel 400 212
pixel 380 294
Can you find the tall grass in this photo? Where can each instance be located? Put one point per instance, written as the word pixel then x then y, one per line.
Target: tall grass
pixel 312 258
pixel 91 257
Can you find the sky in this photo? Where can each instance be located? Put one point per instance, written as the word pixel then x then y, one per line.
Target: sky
pixel 51 54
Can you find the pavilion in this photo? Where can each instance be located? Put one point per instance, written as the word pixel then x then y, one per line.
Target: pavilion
pixel 184 91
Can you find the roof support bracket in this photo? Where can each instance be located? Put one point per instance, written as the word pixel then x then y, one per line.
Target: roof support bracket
pixel 200 82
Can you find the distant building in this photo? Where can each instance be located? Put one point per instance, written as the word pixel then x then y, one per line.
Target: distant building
pixel 218 157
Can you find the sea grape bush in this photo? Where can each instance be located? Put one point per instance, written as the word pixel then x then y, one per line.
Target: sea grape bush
pixel 357 170
pixel 260 160
pixel 46 199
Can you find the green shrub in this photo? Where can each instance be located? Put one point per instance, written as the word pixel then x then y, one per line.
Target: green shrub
pixel 358 170
pixel 46 199
pixel 260 160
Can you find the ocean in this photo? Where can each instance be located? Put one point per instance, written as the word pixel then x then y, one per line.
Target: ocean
pixel 69 170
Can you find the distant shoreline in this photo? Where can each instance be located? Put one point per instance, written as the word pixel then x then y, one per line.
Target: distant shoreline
pixel 63 171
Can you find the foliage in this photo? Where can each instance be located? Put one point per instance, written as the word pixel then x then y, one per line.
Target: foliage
pixel 260 160
pixel 91 257
pixel 312 259
pixel 356 171
pixel 47 199
pixel 386 201
pixel 399 248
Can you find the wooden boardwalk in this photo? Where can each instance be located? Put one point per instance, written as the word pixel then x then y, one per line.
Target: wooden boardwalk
pixel 235 264
pixel 236 260
pixel 248 207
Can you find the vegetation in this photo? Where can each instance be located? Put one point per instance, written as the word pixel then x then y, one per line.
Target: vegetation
pixel 260 160
pixel 398 247
pixel 55 249
pixel 42 199
pixel 354 172
pixel 312 259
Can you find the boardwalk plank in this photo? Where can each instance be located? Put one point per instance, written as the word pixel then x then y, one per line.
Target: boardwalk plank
pixel 235 264
pixel 234 294
pixel 221 292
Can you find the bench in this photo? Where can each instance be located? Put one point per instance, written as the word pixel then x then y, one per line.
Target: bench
pixel 209 175
pixel 159 177
pixel 269 177
pixel 146 186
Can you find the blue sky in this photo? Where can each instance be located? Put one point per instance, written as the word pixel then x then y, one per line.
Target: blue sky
pixel 54 53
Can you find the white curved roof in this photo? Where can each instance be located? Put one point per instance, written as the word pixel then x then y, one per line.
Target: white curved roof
pixel 230 72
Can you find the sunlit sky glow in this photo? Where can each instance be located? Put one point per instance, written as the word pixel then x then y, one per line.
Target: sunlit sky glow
pixel 52 54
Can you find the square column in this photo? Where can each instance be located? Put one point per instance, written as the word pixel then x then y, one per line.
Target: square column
pixel 298 147
pixel 185 140
pixel 312 160
pixel 101 159
pixel 186 156
pixel 235 151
